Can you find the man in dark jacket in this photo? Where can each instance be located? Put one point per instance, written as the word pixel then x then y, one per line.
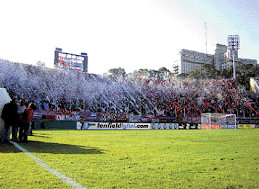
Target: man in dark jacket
pixel 10 117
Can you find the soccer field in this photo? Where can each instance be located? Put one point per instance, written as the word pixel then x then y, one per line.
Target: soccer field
pixel 135 159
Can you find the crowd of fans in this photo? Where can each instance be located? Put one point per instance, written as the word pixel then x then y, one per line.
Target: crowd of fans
pixel 57 89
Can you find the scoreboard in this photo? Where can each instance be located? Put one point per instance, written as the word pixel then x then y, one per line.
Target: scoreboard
pixel 71 61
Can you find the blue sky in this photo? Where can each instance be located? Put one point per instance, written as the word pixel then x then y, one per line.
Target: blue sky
pixel 131 34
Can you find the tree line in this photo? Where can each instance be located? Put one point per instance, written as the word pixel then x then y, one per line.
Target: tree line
pixel 243 73
pixel 141 73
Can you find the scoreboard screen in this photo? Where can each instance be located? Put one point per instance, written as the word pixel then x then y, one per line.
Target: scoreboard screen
pixel 68 61
pixel 71 61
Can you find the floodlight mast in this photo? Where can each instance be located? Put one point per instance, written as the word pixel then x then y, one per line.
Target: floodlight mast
pixel 233 46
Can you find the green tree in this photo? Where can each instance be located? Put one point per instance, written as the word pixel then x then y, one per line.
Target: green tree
pixel 243 71
pixel 117 72
pixel 141 73
pixel 164 72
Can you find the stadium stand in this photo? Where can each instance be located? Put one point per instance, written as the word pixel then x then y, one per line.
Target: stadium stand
pixel 63 91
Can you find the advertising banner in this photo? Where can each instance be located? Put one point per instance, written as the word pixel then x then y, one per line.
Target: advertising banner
pixel 156 125
pixel 196 119
pixel 248 120
pixel 193 119
pixel 192 125
pixel 48 115
pixel 155 120
pixel 245 126
pixel 168 119
pixel 212 126
pixel 112 126
pixel 182 125
pixel 254 120
pixel 93 118
pixel 225 126
pixel 205 126
pixel 146 119
pixel 37 115
pixel 121 117
pixel 134 118
pixel 165 126
pixel 108 117
pixel 215 126
pixel 243 120
pixel 60 117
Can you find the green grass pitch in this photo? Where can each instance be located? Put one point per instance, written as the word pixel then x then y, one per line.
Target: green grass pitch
pixel 135 159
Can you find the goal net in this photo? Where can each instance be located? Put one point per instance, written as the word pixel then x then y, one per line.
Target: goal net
pixel 218 121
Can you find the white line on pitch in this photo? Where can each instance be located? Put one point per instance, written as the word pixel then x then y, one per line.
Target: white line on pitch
pixel 66 179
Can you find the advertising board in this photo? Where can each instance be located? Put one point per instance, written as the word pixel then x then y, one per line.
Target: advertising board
pixel 215 126
pixel 112 126
pixel 245 126
pixel 210 126
pixel 192 125
pixel 225 126
pixel 37 115
pixel 60 117
pixel 182 126
pixel 134 118
pixel 165 126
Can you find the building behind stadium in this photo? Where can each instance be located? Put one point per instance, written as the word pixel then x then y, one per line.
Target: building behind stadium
pixel 222 59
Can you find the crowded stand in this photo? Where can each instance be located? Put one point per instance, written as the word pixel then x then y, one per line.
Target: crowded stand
pixel 72 95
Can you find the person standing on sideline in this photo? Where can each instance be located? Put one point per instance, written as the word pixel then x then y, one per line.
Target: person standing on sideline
pixel 10 117
pixel 25 122
pixel 21 107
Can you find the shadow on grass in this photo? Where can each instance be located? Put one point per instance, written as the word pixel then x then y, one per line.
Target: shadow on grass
pixel 41 135
pixel 8 148
pixel 53 148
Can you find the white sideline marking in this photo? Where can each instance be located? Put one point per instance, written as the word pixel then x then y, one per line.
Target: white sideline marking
pixel 66 179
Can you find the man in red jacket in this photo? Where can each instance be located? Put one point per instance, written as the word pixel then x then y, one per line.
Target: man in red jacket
pixel 25 122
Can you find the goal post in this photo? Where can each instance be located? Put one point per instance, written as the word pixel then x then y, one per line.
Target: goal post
pixel 218 121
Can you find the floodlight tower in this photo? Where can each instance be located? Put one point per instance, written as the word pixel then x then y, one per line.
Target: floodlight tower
pixel 233 46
